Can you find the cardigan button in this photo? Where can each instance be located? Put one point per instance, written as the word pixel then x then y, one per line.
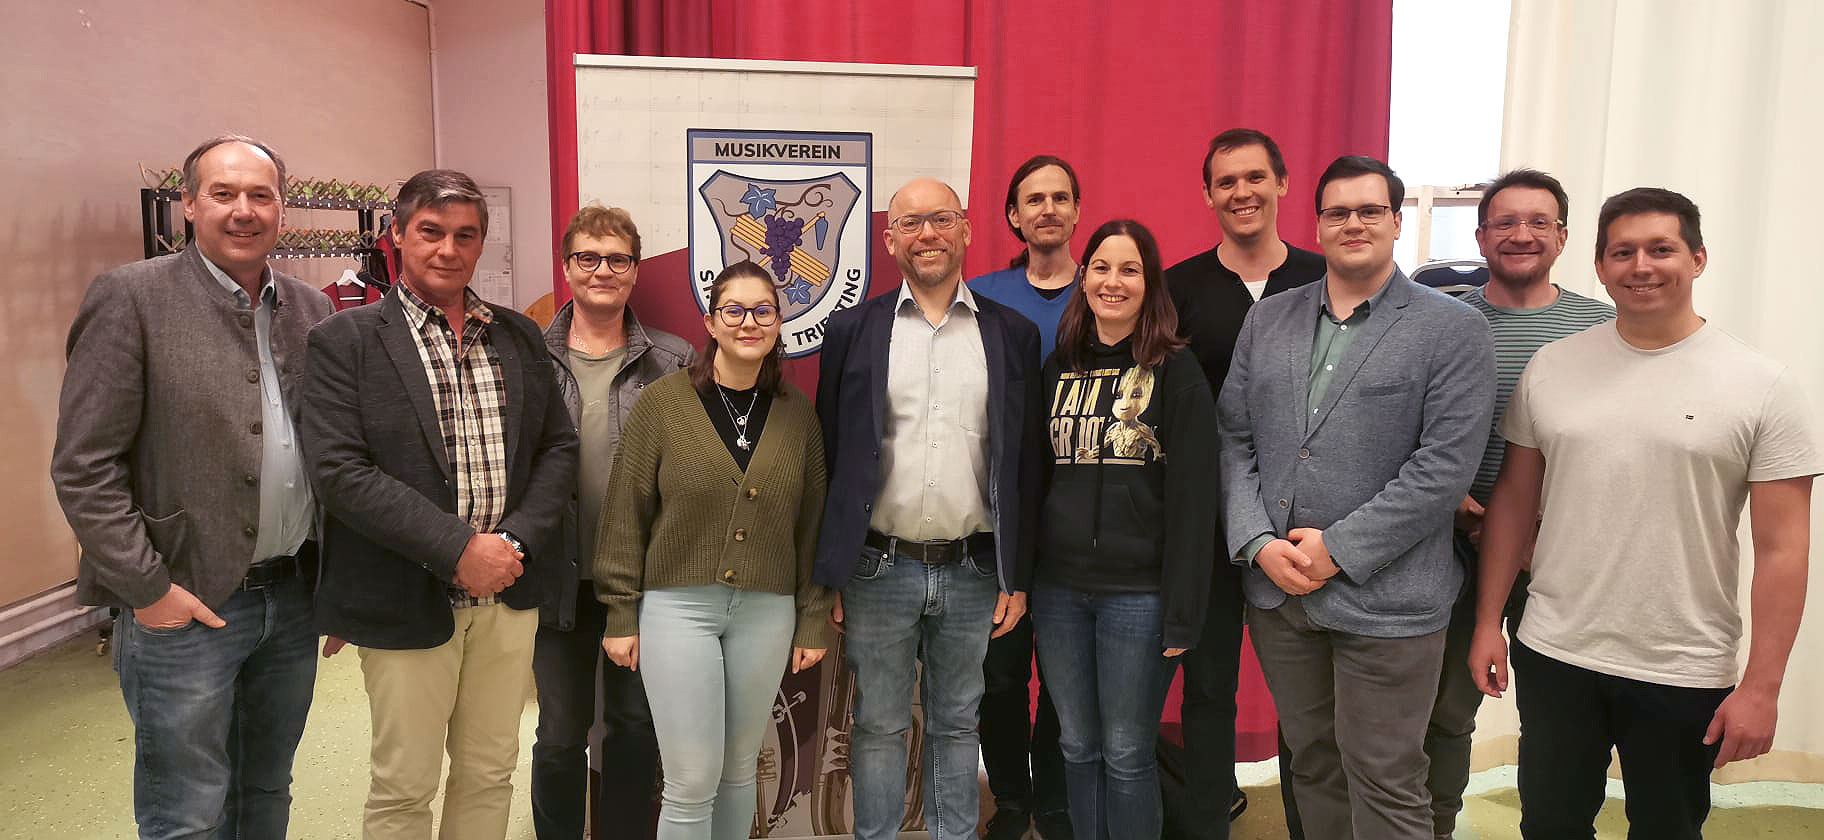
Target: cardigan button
pixel 740 536
pixel 752 492
pixel 729 575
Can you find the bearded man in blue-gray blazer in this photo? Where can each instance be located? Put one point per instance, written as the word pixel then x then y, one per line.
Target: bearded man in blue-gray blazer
pixel 1353 417
pixel 930 407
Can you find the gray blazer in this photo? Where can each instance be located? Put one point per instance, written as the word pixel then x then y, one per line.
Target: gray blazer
pixel 158 451
pixel 651 353
pixel 1380 466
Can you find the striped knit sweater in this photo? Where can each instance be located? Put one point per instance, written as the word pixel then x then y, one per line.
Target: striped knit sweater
pixel 679 512
pixel 1519 333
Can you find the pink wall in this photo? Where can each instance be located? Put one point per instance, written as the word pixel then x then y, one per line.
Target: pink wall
pixel 492 116
pixel 341 88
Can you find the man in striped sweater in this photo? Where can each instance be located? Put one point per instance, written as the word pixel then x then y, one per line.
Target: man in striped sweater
pixel 1521 231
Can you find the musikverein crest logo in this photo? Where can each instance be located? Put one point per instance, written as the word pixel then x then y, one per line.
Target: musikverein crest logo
pixel 797 204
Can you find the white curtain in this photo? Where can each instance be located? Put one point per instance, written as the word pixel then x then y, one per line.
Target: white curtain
pixel 1722 100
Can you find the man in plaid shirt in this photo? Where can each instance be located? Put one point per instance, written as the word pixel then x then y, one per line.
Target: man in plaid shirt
pixel 443 456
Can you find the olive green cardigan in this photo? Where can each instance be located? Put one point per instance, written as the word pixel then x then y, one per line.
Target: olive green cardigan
pixel 679 511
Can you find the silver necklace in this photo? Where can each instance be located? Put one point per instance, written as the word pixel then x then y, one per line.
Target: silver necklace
pixel 740 420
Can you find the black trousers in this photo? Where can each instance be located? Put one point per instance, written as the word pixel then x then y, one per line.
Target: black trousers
pixel 1569 719
pixel 564 669
pixel 1010 735
pixel 1453 716
pixel 1211 676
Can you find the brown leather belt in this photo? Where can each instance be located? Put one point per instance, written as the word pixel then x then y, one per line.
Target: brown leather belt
pixel 934 552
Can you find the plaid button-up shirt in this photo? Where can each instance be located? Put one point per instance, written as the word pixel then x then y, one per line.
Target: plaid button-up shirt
pixel 471 399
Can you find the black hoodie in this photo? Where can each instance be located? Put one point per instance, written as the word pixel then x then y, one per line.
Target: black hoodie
pixel 1130 484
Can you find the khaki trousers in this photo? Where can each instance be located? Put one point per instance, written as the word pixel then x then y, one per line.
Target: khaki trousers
pixel 465 695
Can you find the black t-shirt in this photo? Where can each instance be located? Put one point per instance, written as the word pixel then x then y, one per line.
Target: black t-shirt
pixel 1212 302
pixel 723 415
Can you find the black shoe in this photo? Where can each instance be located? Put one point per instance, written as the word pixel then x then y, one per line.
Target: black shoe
pixel 1238 804
pixel 1054 826
pixel 1007 824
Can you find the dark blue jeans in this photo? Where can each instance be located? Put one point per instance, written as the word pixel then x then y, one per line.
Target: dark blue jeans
pixel 897 613
pixel 1109 677
pixel 217 714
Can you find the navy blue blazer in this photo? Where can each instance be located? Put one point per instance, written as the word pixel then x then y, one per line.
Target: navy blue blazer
pixel 852 404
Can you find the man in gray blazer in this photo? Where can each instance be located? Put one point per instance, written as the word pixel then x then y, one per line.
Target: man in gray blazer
pixel 177 467
pixel 1352 421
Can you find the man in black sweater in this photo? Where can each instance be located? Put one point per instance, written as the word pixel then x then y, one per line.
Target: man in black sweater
pixel 1244 177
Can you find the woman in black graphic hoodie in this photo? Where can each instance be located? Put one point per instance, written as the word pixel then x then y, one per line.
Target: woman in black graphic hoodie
pixel 1128 536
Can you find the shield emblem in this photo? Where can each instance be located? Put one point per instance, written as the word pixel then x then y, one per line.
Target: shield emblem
pixel 793 229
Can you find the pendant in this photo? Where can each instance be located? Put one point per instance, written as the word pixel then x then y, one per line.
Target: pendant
pixel 741 441
pixel 741 421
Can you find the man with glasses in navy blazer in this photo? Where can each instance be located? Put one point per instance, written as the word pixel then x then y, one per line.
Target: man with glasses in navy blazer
pixel 929 405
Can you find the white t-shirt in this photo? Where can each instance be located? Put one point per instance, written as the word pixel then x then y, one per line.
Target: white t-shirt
pixel 1648 456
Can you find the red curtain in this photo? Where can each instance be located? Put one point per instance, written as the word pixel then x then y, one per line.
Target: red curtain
pixel 1129 93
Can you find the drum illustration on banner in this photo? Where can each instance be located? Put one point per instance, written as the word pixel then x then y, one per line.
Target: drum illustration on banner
pixel 797 203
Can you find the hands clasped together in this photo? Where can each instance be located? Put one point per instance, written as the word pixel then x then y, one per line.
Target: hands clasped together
pixel 1300 565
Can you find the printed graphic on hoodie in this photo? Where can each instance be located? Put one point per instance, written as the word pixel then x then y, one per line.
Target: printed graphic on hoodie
pixel 1095 417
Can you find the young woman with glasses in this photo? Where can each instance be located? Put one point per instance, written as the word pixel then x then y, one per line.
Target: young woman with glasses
pixel 704 557
pixel 1126 540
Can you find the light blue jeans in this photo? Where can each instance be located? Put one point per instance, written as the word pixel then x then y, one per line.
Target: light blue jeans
pixel 712 657
pixel 900 613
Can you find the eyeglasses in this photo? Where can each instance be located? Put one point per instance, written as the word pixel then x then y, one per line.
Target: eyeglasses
pixel 590 261
pixel 911 223
pixel 1540 225
pixel 733 314
pixel 1371 214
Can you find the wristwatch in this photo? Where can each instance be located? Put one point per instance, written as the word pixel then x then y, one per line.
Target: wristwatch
pixel 512 541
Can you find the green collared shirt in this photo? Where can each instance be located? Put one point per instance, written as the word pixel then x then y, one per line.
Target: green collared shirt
pixel 1331 342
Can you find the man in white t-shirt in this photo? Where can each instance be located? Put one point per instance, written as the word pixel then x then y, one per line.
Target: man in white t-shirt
pixel 1635 444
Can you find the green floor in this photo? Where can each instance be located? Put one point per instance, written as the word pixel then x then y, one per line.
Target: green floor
pixel 68 767
pixel 70 772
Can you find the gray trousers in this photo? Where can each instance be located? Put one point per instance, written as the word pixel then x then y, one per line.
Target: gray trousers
pixel 1354 711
